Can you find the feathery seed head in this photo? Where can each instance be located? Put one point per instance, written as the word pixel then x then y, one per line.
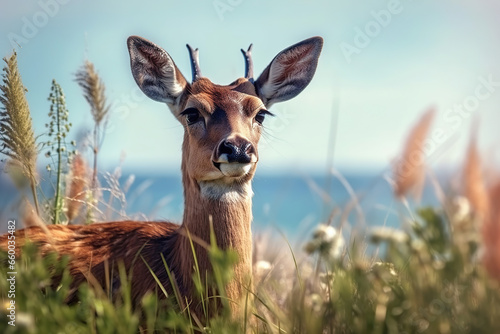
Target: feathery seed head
pixel 93 91
pixel 17 138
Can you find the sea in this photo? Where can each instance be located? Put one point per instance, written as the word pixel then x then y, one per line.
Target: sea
pixel 291 205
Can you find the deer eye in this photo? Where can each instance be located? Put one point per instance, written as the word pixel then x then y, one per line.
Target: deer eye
pixel 192 116
pixel 261 116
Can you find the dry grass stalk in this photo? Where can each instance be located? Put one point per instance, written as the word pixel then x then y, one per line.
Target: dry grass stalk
pixel 94 93
pixel 474 186
pixel 491 233
pixel 17 137
pixel 409 169
pixel 31 217
pixel 76 194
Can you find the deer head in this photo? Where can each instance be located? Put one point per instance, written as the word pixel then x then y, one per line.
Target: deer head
pixel 223 124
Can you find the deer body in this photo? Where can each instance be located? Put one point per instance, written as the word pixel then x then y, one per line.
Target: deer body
pixel 223 125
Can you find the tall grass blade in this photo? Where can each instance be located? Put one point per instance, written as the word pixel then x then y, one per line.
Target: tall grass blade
pixel 173 283
pixel 294 260
pixel 198 280
pixel 157 280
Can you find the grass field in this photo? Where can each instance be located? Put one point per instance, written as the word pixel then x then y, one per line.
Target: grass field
pixel 439 273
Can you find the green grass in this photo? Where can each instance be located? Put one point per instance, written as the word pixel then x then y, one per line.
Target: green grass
pixel 429 281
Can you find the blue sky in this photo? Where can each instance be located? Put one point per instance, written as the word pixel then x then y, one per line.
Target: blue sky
pixel 383 64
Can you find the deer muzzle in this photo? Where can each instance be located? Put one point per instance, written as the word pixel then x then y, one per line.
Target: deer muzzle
pixel 235 156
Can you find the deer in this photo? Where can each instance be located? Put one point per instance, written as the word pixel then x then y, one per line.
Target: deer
pixel 222 127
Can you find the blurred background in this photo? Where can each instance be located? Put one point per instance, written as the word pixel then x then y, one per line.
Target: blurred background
pixel 383 64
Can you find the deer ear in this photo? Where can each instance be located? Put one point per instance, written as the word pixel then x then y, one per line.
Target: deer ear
pixel 155 72
pixel 289 72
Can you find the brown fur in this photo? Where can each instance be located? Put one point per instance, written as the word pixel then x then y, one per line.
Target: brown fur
pixel 93 247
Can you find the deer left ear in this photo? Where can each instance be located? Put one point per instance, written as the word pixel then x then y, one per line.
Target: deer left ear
pixel 155 72
pixel 289 72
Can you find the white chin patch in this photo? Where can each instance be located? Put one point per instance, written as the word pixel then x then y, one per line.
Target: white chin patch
pixel 229 187
pixel 221 190
pixel 235 169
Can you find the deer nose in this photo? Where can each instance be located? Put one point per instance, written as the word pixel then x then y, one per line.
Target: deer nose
pixel 235 150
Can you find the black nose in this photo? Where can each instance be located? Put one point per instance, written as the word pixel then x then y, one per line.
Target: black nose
pixel 236 150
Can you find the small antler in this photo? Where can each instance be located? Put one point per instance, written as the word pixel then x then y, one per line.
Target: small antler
pixel 248 63
pixel 195 62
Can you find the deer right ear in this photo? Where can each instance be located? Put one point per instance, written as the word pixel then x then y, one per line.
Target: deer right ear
pixel 289 72
pixel 155 72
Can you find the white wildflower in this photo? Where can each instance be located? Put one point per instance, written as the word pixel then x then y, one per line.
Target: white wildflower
pixel 262 268
pixel 417 245
pixel 461 208
pixel 326 281
pixel 326 241
pixel 325 233
pixel 380 234
pixel 384 267
pixel 315 302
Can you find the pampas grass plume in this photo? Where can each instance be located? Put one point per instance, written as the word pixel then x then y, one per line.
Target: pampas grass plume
pixel 93 91
pixel 76 194
pixel 491 234
pixel 474 186
pixel 409 169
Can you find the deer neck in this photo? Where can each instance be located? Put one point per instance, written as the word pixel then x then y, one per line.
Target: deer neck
pixel 231 216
